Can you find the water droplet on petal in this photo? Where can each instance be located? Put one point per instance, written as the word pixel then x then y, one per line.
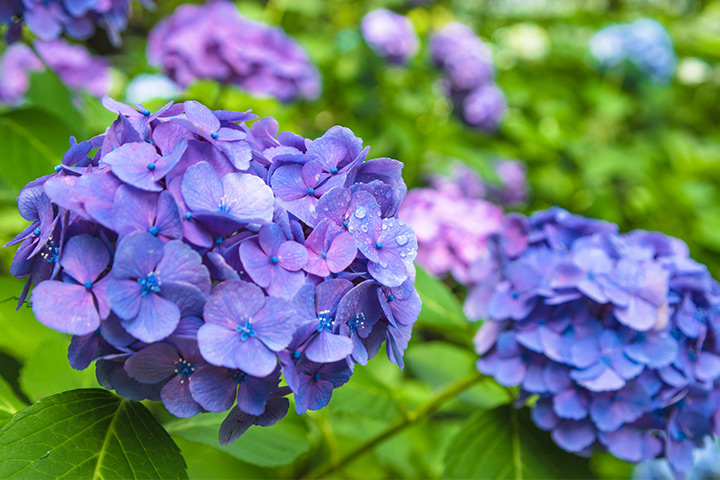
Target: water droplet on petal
pixel 364 228
pixel 384 227
pixel 360 212
pixel 401 240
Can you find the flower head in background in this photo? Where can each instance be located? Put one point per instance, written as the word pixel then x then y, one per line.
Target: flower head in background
pixel 49 19
pixel 73 64
pixel 644 44
pixel 390 35
pixel 467 65
pixel 148 86
pixel 196 258
pixel 215 42
pixel 617 334
pixel 440 215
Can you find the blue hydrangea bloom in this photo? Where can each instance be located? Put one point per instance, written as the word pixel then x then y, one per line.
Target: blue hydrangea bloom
pixel 644 45
pixel 390 35
pixel 48 19
pixel 180 251
pixel 615 333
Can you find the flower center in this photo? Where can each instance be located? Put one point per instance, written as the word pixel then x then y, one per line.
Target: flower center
pixel 240 377
pixel 188 215
pixel 357 322
pixel 145 112
pixel 151 166
pixel 296 354
pixel 214 135
pixel 311 191
pixel 391 298
pixel 346 223
pixel 36 232
pixel 323 255
pixel 246 331
pixel 154 231
pixel 57 168
pixel 184 368
pixel 333 170
pixel 325 321
pixel 218 240
pixel 151 283
pixel 317 377
pixel 87 285
pixel 274 260
pixel 378 245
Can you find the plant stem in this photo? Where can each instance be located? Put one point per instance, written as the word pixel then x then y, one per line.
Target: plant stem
pixel 410 419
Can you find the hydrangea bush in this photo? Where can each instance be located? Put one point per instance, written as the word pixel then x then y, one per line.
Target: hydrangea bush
pixel 214 41
pixel 73 64
pixel 468 68
pixel 613 334
pixel 643 45
pixel 197 259
pixel 49 19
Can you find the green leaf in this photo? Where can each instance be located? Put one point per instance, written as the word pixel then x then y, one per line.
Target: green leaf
pixel 272 446
pixel 47 92
pixel 10 404
pixel 504 443
pixel 48 371
pixel 440 305
pixel 32 142
pixel 87 434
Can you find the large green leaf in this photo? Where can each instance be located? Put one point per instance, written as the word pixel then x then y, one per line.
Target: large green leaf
pixel 10 404
pixel 272 446
pixel 87 434
pixel 47 92
pixel 32 142
pixel 504 443
pixel 440 306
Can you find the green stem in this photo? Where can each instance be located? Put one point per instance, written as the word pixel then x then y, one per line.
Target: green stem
pixel 410 419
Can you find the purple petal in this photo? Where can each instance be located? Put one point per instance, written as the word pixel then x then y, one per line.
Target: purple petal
pixel 249 199
pixel 130 162
pixel 292 256
pixel 274 324
pixel 177 398
pixel 327 347
pixel 65 307
pixel 84 258
pixel 153 364
pixel 201 188
pixel 180 263
pixel 213 388
pixel 574 436
pixel 342 252
pixel 157 318
pixel 231 301
pixel 256 262
pixel 137 255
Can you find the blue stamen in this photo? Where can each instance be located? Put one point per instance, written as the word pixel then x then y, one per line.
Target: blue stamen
pixel 151 166
pixel 310 191
pixel 391 298
pixel 87 285
pixel 184 368
pixel 151 283
pixel 357 322
pixel 325 321
pixel 218 240
pixel 296 354
pixel 333 170
pixel 145 112
pixel 317 377
pixel 57 168
pixel 36 232
pixel 188 215
pixel 323 255
pixel 214 135
pixel 346 223
pixel 274 260
pixel 240 377
pixel 378 245
pixel 246 331
pixel 154 231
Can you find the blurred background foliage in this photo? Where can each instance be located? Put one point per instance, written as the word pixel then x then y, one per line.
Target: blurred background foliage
pixel 600 144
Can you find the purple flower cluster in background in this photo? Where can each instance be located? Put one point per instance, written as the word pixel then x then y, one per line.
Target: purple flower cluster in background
pixel 616 334
pixel 75 66
pixel 644 45
pixel 48 19
pixel 390 35
pixel 215 42
pixel 469 75
pixel 456 216
pixel 197 259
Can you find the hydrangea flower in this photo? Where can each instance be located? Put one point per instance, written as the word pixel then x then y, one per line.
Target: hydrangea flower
pixel 467 65
pixel 214 41
pixel 616 334
pixel 169 247
pixel 645 46
pixel 48 19
pixel 390 35
pixel 75 66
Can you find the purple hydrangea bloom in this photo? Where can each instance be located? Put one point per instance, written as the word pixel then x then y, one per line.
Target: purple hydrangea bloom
pixel 48 19
pixel 214 41
pixel 390 35
pixel 170 246
pixel 73 64
pixel 616 333
pixel 467 65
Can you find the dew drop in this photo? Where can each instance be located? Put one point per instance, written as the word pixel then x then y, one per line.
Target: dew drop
pixel 364 228
pixel 360 212
pixel 401 240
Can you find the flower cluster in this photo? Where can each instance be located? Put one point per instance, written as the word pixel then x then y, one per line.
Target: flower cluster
pixel 643 45
pixel 215 42
pixel 616 334
pixel 197 258
pixel 75 66
pixel 454 218
pixel 48 19
pixel 390 35
pixel 467 64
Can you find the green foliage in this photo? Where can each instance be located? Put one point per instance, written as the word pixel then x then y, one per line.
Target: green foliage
pixel 504 444
pixel 87 434
pixel 10 404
